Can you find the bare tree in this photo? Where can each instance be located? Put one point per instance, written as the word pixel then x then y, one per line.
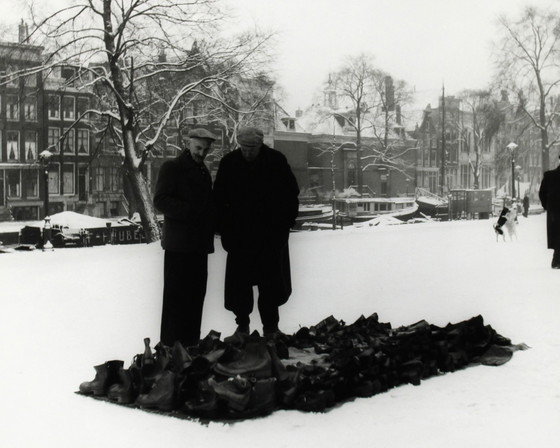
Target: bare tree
pixel 485 118
pixel 116 46
pixel 369 103
pixel 528 59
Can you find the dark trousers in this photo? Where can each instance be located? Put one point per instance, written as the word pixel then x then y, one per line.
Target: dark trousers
pixel 242 273
pixel 184 288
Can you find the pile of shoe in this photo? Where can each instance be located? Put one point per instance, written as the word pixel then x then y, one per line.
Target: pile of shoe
pixel 311 370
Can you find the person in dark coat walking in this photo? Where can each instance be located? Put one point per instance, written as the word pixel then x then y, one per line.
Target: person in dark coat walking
pixel 184 195
pixel 256 197
pixel 549 194
pixel 526 205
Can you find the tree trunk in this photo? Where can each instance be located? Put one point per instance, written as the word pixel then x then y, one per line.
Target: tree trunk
pixel 138 184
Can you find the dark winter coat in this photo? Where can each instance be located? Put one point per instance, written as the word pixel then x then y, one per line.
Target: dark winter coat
pixel 257 204
pixel 549 194
pixel 184 196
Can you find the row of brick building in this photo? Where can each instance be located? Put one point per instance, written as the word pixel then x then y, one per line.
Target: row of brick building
pixel 38 112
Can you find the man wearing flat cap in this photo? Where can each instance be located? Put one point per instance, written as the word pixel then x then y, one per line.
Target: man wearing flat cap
pixel 184 196
pixel 256 197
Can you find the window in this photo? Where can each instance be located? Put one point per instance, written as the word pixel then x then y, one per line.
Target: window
pixel 30 183
pixel 54 178
pixel 12 138
pixel 68 107
pixel 99 178
pixel 30 108
pixel 465 176
pixel 485 177
pixel 30 81
pixel 53 140
pixel 13 80
pixel 115 179
pixel 12 108
pixel 13 178
pixel 83 141
pixel 30 145
pixel 54 107
pixel 69 145
pixel 432 181
pixel 82 105
pixel 68 178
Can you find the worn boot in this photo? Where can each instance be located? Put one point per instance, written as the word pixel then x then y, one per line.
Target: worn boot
pixel 205 404
pixel 239 335
pixel 263 397
pixel 236 392
pixel 162 394
pixel 255 361
pixel 128 388
pixel 106 375
pixel 180 358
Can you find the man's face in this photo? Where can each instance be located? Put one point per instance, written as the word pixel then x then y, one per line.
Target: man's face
pixel 250 153
pixel 198 148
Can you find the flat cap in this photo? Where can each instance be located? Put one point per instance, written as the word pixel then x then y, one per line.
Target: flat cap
pixel 201 133
pixel 250 136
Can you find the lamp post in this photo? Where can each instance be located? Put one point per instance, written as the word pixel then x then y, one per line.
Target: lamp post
pixel 512 147
pixel 518 175
pixel 44 157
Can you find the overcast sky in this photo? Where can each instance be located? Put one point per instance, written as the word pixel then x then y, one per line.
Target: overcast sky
pixel 424 42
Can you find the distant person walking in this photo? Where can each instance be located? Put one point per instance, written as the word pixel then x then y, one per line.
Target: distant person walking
pixel 256 197
pixel 549 194
pixel 184 196
pixel 526 205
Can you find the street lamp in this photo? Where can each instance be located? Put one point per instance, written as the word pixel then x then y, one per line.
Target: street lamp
pixel 44 157
pixel 512 147
pixel 518 173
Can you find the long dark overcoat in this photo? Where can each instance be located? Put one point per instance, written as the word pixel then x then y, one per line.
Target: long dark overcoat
pixel 549 194
pixel 257 204
pixel 184 196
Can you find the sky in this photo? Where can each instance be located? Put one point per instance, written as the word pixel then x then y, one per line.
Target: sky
pixel 427 43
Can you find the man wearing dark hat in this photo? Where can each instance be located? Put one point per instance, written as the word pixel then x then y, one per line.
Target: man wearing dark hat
pixel 256 198
pixel 549 194
pixel 184 196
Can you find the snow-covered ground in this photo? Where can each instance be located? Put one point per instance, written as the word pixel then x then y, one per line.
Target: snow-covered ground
pixel 65 311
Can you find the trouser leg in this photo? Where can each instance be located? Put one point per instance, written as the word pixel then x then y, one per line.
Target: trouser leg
pixel 185 279
pixel 238 291
pixel 268 310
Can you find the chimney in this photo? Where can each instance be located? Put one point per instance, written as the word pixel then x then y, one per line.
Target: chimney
pixel 23 32
pixel 299 113
pixel 389 93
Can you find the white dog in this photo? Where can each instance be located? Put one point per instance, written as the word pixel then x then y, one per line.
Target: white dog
pixel 507 220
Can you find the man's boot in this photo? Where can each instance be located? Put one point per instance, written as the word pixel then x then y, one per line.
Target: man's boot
pixel 128 388
pixel 255 361
pixel 238 337
pixel 106 375
pixel 556 259
pixel 162 395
